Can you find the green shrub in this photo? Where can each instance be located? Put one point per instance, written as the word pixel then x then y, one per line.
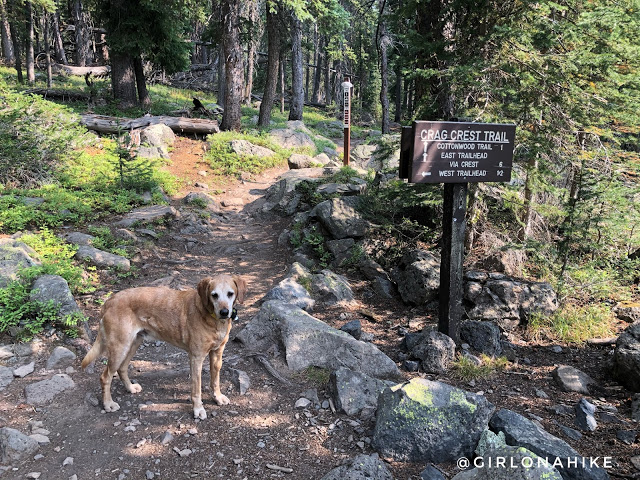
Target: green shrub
pixel 466 369
pixel 35 137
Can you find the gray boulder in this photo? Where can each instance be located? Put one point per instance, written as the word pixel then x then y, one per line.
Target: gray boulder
pixel 244 147
pixel 241 380
pixel 483 337
pixel 158 134
pixel 308 342
pixel 435 350
pixel 333 129
pixel 340 218
pixel 361 154
pixel 626 358
pixel 54 288
pixel 628 312
pixel 521 432
pixel 102 259
pixel 585 415
pixel 431 473
pixel 571 379
pixel 290 291
pixel 6 377
pixel 353 328
pixel 297 161
pixel 506 300
pixel 78 238
pixel 425 421
pixel 42 392
pixel 330 288
pixel 362 467
pixel 61 357
pixel 342 189
pixel 15 446
pixel 354 391
pixel 148 214
pixel 418 277
pixel 282 197
pixel 289 138
pixel 211 203
pixel 14 256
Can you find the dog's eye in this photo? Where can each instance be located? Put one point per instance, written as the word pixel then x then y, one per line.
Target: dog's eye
pixel 215 296
pixel 230 294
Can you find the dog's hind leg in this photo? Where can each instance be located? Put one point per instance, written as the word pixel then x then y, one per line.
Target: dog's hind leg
pixel 117 352
pixel 123 371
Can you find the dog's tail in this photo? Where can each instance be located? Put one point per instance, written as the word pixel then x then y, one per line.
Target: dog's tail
pixel 96 350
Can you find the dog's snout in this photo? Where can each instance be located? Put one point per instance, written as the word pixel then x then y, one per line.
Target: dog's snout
pixel 224 313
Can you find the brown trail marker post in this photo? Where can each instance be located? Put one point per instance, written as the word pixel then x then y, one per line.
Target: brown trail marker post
pixel 346 102
pixel 455 153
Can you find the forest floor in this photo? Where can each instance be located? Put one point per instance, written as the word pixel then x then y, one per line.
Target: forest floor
pixel 261 428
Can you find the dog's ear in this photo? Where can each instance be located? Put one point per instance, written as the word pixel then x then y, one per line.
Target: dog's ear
pixel 203 292
pixel 241 288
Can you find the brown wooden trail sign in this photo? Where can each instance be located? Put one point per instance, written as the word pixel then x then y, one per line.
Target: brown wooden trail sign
pixel 455 153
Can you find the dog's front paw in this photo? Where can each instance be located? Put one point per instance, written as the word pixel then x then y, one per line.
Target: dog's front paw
pixel 199 413
pixel 220 399
pixel 135 388
pixel 111 407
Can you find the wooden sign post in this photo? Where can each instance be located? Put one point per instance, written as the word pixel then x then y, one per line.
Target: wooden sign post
pixel 346 87
pixel 455 154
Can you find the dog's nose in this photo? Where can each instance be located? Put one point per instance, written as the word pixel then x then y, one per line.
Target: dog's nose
pixel 224 313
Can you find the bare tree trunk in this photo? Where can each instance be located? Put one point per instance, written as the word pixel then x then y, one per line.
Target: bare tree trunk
pixel 30 63
pixel 16 50
pixel 141 84
pixel 251 55
pixel 315 98
pixel 327 77
pixel 383 44
pixel 269 96
pixel 398 93
pixel 282 81
pixel 123 79
pixel 231 119
pixel 61 56
pixel 532 168
pixel 5 32
pixel 46 23
pixel 297 94
pixel 222 76
pixel 82 34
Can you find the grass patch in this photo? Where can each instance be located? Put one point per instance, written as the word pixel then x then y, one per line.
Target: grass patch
pixel 225 162
pixel 466 369
pixel 573 324
pixel 317 376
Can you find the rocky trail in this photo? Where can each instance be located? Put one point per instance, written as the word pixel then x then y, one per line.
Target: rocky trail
pixel 280 423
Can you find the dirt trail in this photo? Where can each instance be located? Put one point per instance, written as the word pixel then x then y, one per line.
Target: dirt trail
pixel 236 441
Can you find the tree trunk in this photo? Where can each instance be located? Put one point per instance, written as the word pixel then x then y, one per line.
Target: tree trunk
pixel 297 72
pixel 327 77
pixel 46 23
pixel 61 56
pixel 104 124
pixel 141 83
pixel 31 63
pixel 251 54
pixel 16 50
pixel 82 34
pixel 383 44
pixel 532 168
pixel 123 80
pixel 222 76
pixel 231 119
pixel 398 93
pixel 273 39
pixel 318 73
pixel 282 81
pixel 5 32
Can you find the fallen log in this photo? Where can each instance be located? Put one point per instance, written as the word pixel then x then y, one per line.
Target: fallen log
pixel 104 124
pixel 63 95
pixel 81 71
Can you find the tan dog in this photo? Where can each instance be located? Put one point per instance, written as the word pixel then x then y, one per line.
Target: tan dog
pixel 196 321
